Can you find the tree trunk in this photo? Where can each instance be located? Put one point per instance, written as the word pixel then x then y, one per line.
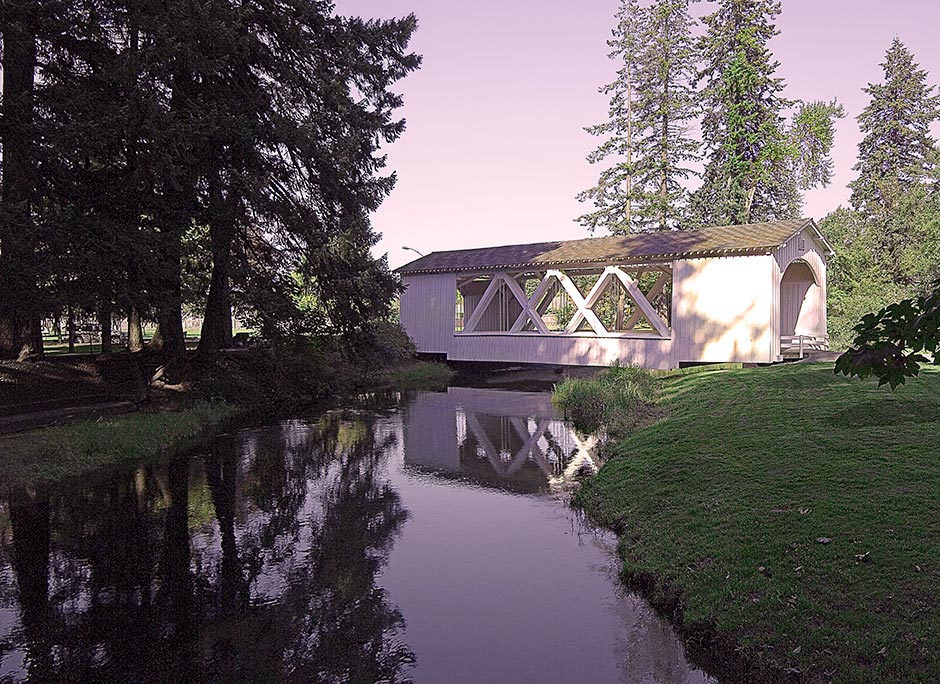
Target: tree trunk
pixel 750 202
pixel 135 334
pixel 156 340
pixel 104 323
pixel 217 322
pixel 20 326
pixel 170 321
pixel 630 154
pixel 180 190
pixel 664 172
pixel 70 329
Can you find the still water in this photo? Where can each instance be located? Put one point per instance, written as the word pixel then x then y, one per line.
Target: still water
pixel 429 542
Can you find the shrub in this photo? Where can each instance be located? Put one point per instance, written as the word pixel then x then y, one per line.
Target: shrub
pixel 614 400
pixel 423 375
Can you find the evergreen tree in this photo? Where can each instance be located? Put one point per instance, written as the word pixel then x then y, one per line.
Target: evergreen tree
pixel 20 334
pixel 757 165
pixel 893 156
pixel 615 194
pixel 666 107
pixel 743 125
pixel 166 139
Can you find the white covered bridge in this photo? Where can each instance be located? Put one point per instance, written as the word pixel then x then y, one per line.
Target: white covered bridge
pixel 750 293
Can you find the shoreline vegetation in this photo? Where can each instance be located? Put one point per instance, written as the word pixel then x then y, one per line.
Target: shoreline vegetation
pixel 211 396
pixel 59 451
pixel 786 520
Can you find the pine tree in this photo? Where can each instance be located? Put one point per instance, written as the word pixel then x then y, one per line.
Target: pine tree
pixel 743 125
pixel 666 107
pixel 20 333
pixel 894 154
pixel 615 194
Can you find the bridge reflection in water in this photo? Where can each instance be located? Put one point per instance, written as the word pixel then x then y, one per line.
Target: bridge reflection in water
pixel 511 440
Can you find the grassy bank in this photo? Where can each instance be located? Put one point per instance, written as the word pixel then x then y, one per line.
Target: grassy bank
pixel 790 517
pixel 56 452
pixel 619 400
pixel 423 375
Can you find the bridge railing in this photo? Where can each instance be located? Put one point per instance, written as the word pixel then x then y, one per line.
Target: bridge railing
pixel 803 343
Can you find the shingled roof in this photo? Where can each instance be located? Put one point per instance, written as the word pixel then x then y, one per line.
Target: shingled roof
pixel 643 247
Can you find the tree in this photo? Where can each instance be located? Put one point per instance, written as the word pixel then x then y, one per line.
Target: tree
pixel 891 344
pixel 757 165
pixel 888 246
pixel 615 194
pixel 20 333
pixel 742 126
pixel 666 107
pixel 164 140
pixel 893 155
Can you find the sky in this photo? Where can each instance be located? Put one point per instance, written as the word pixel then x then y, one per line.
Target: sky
pixel 494 150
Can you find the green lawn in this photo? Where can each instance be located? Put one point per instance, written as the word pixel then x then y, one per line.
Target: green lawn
pixel 721 506
pixel 56 452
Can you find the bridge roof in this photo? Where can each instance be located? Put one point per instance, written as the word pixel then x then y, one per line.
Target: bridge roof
pixel 754 238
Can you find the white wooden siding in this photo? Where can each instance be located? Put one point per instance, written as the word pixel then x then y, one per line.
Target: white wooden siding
pixel 427 310
pixel 650 352
pixel 801 292
pixel 722 309
pixel 802 309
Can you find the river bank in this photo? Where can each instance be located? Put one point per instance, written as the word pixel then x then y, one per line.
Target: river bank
pixel 787 520
pixel 166 413
pixel 53 453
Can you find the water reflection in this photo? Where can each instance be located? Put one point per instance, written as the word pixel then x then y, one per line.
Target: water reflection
pixel 509 440
pixel 295 553
pixel 255 563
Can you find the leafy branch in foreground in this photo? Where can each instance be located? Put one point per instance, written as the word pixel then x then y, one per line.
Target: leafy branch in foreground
pixel 893 343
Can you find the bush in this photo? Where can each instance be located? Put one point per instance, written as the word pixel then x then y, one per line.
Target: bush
pixel 423 375
pixel 614 400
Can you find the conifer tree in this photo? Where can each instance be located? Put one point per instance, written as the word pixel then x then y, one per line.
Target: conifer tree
pixel 666 106
pixel 758 165
pixel 615 194
pixel 19 321
pixel 895 152
pixel 743 124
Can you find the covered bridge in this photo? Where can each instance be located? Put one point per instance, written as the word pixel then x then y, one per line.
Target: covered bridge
pixel 750 293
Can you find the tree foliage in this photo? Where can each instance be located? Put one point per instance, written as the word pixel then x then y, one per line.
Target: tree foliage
pixel 198 155
pixel 888 245
pixel 893 343
pixel 615 194
pixel 757 164
pixel 895 153
pixel 666 109
pixel 652 107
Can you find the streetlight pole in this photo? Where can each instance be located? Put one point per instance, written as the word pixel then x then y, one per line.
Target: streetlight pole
pixel 412 249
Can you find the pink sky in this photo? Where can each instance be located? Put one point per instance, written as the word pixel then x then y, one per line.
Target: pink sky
pixel 495 147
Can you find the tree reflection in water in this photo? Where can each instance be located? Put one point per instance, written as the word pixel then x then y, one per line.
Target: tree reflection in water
pixel 256 563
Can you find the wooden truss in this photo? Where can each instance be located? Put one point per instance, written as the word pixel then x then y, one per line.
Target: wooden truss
pixel 551 280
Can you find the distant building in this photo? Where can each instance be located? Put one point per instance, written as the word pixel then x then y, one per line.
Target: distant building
pixel 751 293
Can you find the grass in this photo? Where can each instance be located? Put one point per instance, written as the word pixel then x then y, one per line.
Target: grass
pixel 614 400
pixel 57 452
pixel 423 375
pixel 725 506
